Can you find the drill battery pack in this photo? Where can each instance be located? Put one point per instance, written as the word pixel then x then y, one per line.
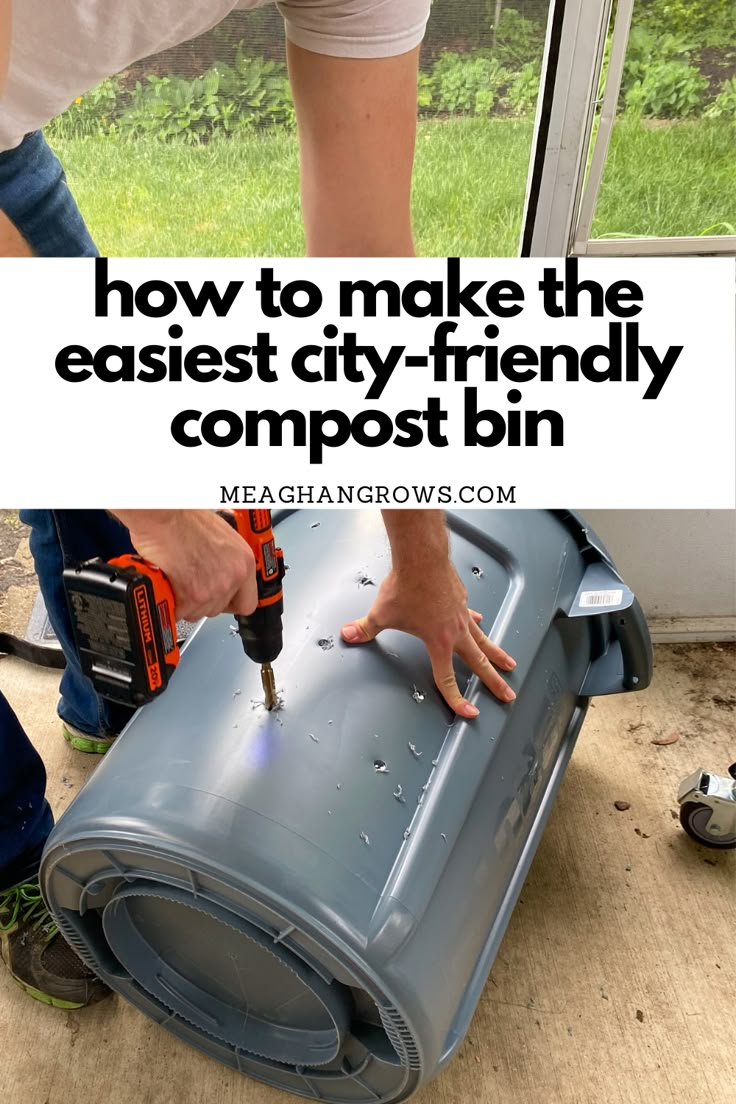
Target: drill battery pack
pixel 124 625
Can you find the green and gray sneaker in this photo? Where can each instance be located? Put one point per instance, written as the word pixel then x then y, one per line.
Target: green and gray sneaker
pixel 37 955
pixel 81 741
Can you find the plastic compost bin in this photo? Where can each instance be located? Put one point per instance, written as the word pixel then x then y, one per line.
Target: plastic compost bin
pixel 315 896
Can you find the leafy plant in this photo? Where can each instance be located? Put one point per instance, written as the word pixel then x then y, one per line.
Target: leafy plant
pixel 172 107
pixel 468 85
pixel 224 100
pixel 425 91
pixel 724 105
pixel 704 22
pixel 523 92
pixel 91 115
pixel 668 90
pixel 645 47
pixel 259 90
pixel 518 39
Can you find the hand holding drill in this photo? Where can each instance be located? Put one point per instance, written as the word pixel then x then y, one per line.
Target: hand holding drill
pixel 123 611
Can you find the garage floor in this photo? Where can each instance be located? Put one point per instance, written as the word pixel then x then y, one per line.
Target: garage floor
pixel 615 979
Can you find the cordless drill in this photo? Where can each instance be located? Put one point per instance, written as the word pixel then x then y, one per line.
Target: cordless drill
pixel 261 631
pixel 124 619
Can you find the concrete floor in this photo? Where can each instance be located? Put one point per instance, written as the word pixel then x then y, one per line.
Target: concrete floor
pixel 615 979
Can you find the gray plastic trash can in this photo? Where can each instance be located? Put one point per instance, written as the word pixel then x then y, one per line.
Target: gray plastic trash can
pixel 316 896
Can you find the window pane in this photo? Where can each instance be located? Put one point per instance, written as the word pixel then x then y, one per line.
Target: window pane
pixel 671 169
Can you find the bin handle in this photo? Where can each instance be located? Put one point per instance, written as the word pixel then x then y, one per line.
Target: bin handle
pixel 632 634
pixel 627 662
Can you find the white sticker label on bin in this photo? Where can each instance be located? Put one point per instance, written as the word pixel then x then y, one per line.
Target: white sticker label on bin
pixel 601 598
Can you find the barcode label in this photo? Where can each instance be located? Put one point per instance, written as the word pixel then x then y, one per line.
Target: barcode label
pixel 601 598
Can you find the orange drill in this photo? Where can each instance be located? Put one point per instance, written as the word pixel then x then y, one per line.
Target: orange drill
pixel 124 620
pixel 261 631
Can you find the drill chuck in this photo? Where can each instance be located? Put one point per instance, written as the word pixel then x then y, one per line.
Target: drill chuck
pixel 262 633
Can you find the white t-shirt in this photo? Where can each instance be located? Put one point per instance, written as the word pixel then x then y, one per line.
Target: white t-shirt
pixel 62 48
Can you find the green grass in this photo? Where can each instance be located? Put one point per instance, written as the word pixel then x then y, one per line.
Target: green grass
pixel 669 180
pixel 146 199
pixel 240 197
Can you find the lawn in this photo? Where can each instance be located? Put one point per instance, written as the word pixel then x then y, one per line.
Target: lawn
pixel 239 197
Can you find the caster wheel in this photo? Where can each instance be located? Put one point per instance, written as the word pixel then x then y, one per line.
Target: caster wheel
pixel 694 818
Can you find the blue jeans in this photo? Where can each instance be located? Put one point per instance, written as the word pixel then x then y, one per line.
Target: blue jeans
pixel 59 539
pixel 25 816
pixel 35 196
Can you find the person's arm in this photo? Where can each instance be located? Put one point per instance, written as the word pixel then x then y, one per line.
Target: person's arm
pixel 357 124
pixel 424 596
pixel 210 567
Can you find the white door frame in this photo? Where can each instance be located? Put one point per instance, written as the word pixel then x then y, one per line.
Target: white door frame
pixel 560 202
pixel 573 58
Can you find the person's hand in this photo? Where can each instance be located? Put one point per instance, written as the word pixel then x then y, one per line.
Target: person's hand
pixel 210 567
pixel 424 596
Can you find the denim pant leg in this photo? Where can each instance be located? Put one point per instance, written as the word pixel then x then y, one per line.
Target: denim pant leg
pixel 35 196
pixel 64 538
pixel 25 816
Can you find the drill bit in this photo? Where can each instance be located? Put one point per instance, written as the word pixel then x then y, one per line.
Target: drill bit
pixel 269 685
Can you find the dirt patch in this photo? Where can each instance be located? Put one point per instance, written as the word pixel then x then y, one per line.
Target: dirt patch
pixel 701 669
pixel 18 583
pixel 702 662
pixel 15 566
pixel 717 65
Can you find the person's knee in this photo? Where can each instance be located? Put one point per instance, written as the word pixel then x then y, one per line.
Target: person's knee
pixel 43 529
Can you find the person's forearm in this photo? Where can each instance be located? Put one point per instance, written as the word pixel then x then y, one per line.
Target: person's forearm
pixel 356 124
pixel 415 535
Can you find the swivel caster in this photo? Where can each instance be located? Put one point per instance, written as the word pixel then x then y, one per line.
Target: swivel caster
pixel 708 808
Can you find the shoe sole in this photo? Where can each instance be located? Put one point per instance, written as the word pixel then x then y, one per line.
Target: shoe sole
pixel 46 998
pixel 88 744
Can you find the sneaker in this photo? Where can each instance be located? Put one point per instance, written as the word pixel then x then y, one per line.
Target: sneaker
pixel 38 957
pixel 82 741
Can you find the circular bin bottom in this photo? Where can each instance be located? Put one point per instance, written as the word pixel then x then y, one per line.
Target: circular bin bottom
pixel 225 976
pixel 230 973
